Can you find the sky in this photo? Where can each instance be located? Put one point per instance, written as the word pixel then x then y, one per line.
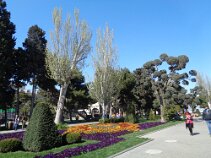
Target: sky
pixel 143 29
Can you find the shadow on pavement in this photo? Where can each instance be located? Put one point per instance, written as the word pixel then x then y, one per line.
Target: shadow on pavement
pixel 196 133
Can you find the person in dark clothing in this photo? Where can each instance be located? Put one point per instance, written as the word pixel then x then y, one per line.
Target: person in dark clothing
pixel 207 117
pixel 189 122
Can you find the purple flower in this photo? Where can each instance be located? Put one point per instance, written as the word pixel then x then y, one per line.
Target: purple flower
pixel 105 139
pixel 146 125
pixel 18 135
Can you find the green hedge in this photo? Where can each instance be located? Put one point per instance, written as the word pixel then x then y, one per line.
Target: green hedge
pixel 41 132
pixel 73 138
pixel 10 144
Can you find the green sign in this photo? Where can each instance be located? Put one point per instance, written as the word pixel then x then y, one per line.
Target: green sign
pixel 10 110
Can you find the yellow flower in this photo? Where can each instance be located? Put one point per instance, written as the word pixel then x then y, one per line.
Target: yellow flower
pixel 103 128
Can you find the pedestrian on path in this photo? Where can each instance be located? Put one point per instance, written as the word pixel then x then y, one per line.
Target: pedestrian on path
pixel 207 117
pixel 189 122
pixel 16 122
pixel 23 121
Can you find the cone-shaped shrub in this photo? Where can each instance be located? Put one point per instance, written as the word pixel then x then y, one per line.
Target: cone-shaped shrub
pixel 41 132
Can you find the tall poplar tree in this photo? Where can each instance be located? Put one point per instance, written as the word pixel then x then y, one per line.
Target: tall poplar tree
pixel 69 48
pixel 102 88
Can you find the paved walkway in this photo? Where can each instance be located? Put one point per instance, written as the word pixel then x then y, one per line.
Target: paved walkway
pixel 174 142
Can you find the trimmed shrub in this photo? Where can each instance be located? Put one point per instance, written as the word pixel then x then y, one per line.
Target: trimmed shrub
pixel 10 144
pixel 131 118
pixel 41 132
pixel 61 126
pixel 73 138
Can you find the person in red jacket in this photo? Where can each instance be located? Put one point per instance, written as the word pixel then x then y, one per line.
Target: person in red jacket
pixel 189 122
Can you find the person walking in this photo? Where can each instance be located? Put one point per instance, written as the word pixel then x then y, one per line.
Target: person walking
pixel 189 122
pixel 23 120
pixel 207 117
pixel 16 122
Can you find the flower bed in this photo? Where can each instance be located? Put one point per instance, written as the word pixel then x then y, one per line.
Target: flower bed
pixel 103 128
pixel 106 134
pixel 105 139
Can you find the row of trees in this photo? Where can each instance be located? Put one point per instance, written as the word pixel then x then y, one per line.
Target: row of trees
pixel 147 87
pixel 28 64
pixel 55 67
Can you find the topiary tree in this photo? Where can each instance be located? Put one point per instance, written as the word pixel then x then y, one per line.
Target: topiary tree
pixel 41 132
pixel 167 84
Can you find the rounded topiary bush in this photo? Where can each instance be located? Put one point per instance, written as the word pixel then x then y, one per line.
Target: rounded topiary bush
pixel 131 118
pixel 41 132
pixel 10 144
pixel 73 138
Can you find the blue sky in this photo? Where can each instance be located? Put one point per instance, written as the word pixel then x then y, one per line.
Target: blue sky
pixel 143 29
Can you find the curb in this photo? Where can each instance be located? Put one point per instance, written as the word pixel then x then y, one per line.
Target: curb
pixel 126 150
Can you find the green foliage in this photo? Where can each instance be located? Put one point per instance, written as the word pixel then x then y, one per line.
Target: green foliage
pixel 77 93
pixel 105 120
pixel 112 120
pixel 117 120
pixel 167 86
pixel 7 43
pixel 171 112
pixel 10 145
pixel 151 115
pixel 61 126
pixel 130 117
pixel 41 132
pixel 47 98
pixel 143 90
pixel 73 138
pixel 35 47
pixel 125 94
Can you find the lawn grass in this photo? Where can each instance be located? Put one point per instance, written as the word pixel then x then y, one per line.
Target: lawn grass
pixel 131 140
pixel 23 154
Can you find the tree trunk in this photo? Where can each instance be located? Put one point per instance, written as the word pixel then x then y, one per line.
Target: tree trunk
pixel 110 112
pixel 103 111
pixel 18 98
pixel 162 107
pixel 33 95
pixel 60 104
pixel 5 116
pixel 162 114
pixel 120 113
pixel 70 114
